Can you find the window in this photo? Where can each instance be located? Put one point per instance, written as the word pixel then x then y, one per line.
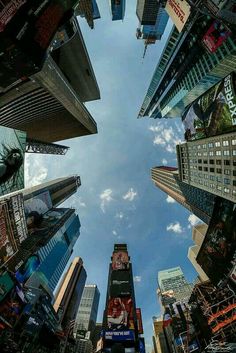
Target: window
pixel 219 187
pixel 226 190
pixel 218 153
pixel 226 162
pixel 217 144
pixel 210 145
pixel 212 170
pixel 234 172
pixel 211 161
pixel 226 181
pixel 199 168
pixel 233 142
pixel 234 182
pixel 212 177
pixel 234 152
pixel 204 146
pixel 226 153
pixel 218 161
pixel 234 162
pixel 211 153
pixel 227 171
pixel 204 154
pixel 199 161
pixel 205 169
pixel 219 179
pixel 225 143
pixel 205 176
pixel 218 170
pixel 205 161
pixel 212 186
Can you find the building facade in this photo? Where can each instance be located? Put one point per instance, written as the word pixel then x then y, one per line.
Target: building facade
pixel 188 70
pixel 117 9
pixel 198 234
pixel 210 164
pixel 146 11
pixel 199 202
pixel 87 313
pixel 160 343
pixel 68 297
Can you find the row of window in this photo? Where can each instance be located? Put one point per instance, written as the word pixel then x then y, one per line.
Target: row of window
pixel 225 143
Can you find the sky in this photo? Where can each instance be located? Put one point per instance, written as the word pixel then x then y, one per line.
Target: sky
pixel 117 201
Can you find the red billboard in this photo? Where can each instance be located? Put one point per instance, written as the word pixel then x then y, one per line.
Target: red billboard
pixel 120 314
pixel 139 320
pixel 218 250
pixel 215 36
pixel 120 260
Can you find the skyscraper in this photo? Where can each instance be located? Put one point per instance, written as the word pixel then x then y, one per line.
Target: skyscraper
pixel 186 69
pixel 49 105
pixel 159 340
pixel 199 202
pixel 68 296
pixel 146 11
pixel 173 279
pixel 87 312
pixel 117 9
pixel 120 314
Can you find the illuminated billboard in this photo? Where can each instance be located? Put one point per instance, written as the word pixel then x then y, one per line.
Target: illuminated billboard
pixel 179 12
pixel 12 149
pixel 139 320
pixel 17 217
pixel 219 246
pixel 120 314
pixel 6 284
pixel 215 36
pixel 213 113
pixel 120 284
pixel 8 246
pixel 126 335
pixel 27 269
pixel 120 260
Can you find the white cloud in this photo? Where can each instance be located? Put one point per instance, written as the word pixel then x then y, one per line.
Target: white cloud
pixel 81 203
pixel 158 140
pixel 155 128
pixel 35 171
pixel 105 197
pixel 114 232
pixel 170 199
pixel 193 220
pixel 164 161
pixel 130 195
pixel 119 215
pixel 166 137
pixel 175 227
pixel 137 279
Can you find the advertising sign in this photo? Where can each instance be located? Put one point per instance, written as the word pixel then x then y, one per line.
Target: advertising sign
pixel 18 221
pixel 120 284
pixel 6 284
pixel 142 345
pixel 213 113
pixel 232 275
pixel 126 335
pixel 8 245
pixel 179 11
pixel 139 320
pixel 218 248
pixel 27 269
pixel 12 149
pixel 120 314
pixel 120 260
pixel 215 36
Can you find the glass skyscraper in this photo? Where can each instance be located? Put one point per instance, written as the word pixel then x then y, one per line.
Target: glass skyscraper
pixel 87 313
pixel 199 202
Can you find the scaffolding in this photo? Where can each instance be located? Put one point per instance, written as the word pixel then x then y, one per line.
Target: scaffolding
pixel 35 146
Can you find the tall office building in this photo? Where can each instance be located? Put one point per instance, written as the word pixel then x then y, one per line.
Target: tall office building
pixel 198 234
pixel 87 313
pixel 186 69
pixel 160 343
pixel 69 295
pixel 146 11
pixel 120 315
pixel 210 164
pixel 173 279
pixel 117 9
pixel 55 255
pixel 199 202
pixel 89 10
pixel 48 105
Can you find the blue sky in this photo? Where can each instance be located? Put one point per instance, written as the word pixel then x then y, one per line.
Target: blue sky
pixel 117 201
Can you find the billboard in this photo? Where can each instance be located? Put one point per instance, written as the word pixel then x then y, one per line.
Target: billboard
pixel 213 113
pixel 120 284
pixel 120 260
pixel 40 203
pixel 139 320
pixel 179 11
pixel 215 36
pixel 126 335
pixel 6 284
pixel 27 269
pixel 120 314
pixel 12 149
pixel 8 246
pixel 17 217
pixel 219 246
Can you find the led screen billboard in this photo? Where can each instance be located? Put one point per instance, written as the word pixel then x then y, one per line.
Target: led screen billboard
pixel 17 217
pixel 8 246
pixel 120 314
pixel 120 260
pixel 120 285
pixel 218 248
pixel 215 36
pixel 126 335
pixel 27 269
pixel 213 113
pixel 12 149
pixel 6 284
pixel 139 320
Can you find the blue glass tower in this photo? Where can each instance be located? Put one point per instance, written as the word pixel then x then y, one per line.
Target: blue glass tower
pixel 117 9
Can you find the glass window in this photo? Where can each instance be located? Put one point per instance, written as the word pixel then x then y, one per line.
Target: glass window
pixel 227 171
pixel 205 169
pixel 217 144
pixel 211 161
pixel 219 179
pixel 225 143
pixel 234 172
pixel 199 168
pixel 218 170
pixel 226 181
pixel 226 162
pixel 212 177
pixel 204 146
pixel 234 182
pixel 211 153
pixel 226 153
pixel 218 161
pixel 234 152
pixel 199 161
pixel 210 145
pixel 219 187
pixel 218 153
pixel 212 170
pixel 233 142
pixel 205 161
pixel 226 190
